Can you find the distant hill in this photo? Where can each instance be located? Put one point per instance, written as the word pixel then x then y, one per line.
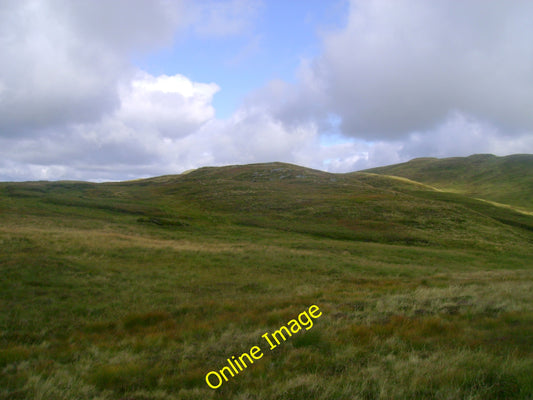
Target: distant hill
pixel 507 180
pixel 289 198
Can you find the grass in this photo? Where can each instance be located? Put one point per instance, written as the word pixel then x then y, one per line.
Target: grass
pixel 136 290
pixel 505 180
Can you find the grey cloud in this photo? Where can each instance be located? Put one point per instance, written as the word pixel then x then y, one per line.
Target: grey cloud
pixel 293 103
pixel 69 148
pixel 62 60
pixel 402 66
pixel 461 135
pixel 123 25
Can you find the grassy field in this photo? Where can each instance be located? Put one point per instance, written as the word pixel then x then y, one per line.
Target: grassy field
pixel 136 290
pixel 504 180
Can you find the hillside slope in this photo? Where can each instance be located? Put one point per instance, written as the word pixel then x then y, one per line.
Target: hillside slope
pixel 507 180
pixel 136 290
pixel 284 197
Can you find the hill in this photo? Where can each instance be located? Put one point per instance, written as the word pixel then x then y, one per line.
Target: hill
pixel 507 180
pixel 138 289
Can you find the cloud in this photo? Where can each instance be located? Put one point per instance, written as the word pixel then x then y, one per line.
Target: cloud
pixel 404 66
pixel 62 60
pixel 153 112
pixel 402 79
pixel 293 103
pixel 215 18
pixel 412 78
pixel 462 135
pixel 171 105
pixel 255 136
pixel 72 105
pixel 123 26
pixel 138 141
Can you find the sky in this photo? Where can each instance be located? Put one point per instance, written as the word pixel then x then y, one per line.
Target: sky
pixel 106 90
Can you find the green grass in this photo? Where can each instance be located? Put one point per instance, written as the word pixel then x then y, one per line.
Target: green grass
pixel 505 180
pixel 135 290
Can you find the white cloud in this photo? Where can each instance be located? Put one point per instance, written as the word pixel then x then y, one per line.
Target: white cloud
pixel 135 138
pixel 171 105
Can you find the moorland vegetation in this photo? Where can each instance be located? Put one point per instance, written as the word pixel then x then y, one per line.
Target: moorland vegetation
pixel 136 290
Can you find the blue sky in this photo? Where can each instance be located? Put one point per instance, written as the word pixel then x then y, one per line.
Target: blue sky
pixel 279 35
pixel 123 89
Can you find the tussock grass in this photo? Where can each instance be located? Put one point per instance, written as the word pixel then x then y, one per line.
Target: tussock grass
pixel 423 295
